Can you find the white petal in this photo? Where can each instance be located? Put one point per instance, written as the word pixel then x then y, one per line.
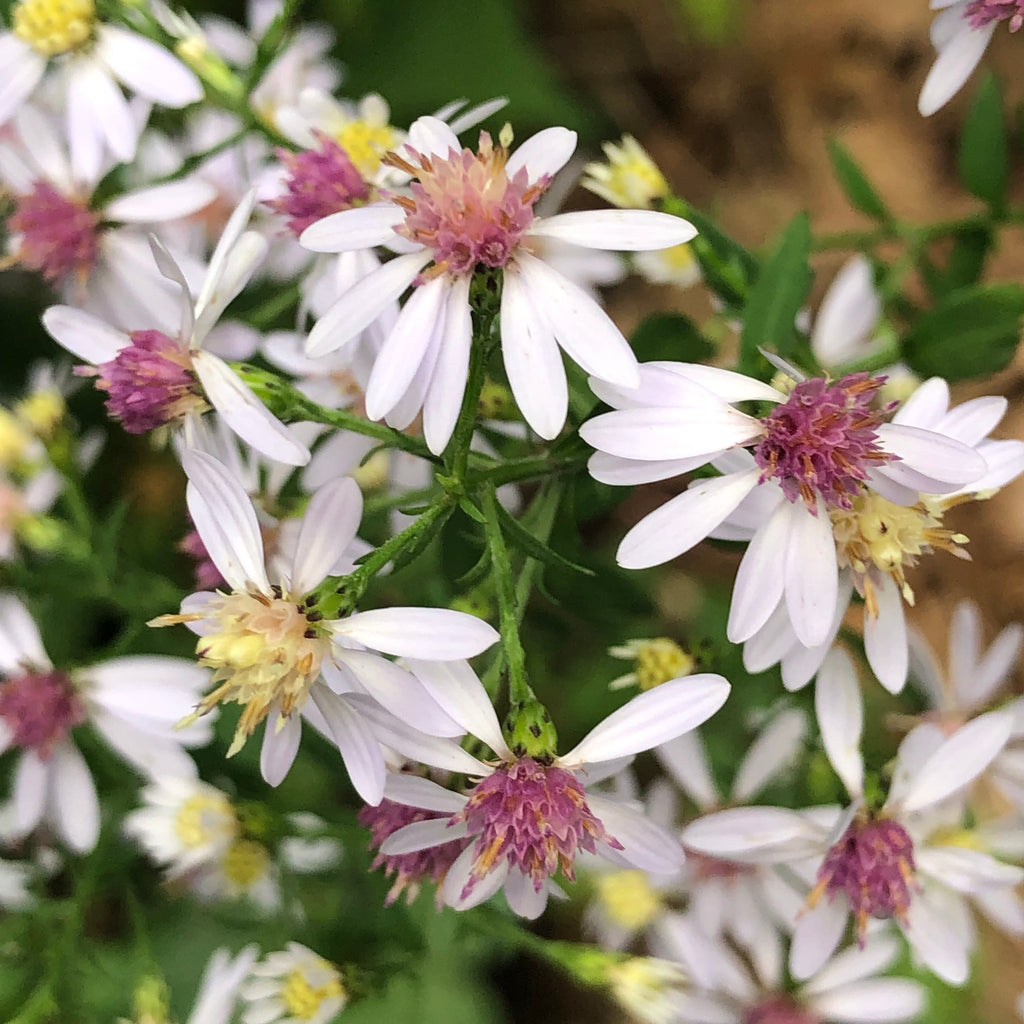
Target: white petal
pixel 171 201
pixel 881 1000
pixel 146 67
pixel 953 67
pixel 247 416
pixel 171 269
pixel 403 351
pixel 483 889
pixel 415 791
pixel 523 897
pixel 31 782
pixel 684 520
pixel 431 633
pixel 73 798
pixel 448 380
pixel 816 936
pixel 761 577
pixel 650 719
pixel 840 713
pixel 280 745
pixel 685 760
pixel 223 283
pixel 935 938
pixel 728 385
pixel 532 360
pixel 83 334
pixel 430 136
pixel 881 950
pixel 361 228
pixel 545 153
pixel 645 845
pixel 774 750
pixel 356 742
pixel 328 527
pixel 456 687
pixel 611 469
pixel 749 833
pixel 226 521
pixel 422 835
pixel 366 300
pixel 621 230
pixel 977 687
pixel 98 106
pixel 580 325
pixel 670 433
pixel 885 637
pixel 849 312
pixel 812 575
pixel 20 641
pixel 21 68
pixel 959 760
pixel 934 455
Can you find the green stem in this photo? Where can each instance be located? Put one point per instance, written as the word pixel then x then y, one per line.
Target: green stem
pixel 509 612
pixel 530 467
pixel 462 436
pixel 350 421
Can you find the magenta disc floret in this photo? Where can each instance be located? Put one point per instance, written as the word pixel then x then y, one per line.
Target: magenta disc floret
pixel 149 383
pixel 533 816
pixel 318 182
pixel 58 236
pixel 40 709
pixel 872 864
pixel 823 440
pixel 983 12
pixel 409 870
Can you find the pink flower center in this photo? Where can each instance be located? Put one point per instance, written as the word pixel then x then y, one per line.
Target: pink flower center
pixel 148 383
pixel 873 865
pixel 822 440
pixel 40 709
pixel 319 182
pixel 983 12
pixel 533 816
pixel 59 237
pixel 464 206
pixel 408 869
pixel 778 1010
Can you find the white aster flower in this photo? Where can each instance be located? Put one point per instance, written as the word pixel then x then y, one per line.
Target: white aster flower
pixel 880 539
pixel 848 989
pixel 291 985
pixel 529 815
pixel 152 380
pixel 98 256
pixel 218 989
pixel 92 61
pixel 424 360
pixel 273 652
pixel 820 450
pixel 134 703
pixel 244 871
pixel 876 861
pixel 183 823
pixel 960 34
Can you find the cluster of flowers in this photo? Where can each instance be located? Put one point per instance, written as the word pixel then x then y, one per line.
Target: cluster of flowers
pixel 837 485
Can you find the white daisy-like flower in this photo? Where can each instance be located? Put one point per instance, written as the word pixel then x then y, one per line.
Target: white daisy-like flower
pixel 529 815
pixel 291 985
pixel 92 61
pixel 134 703
pixel 467 210
pixel 183 823
pixel 960 34
pixel 218 989
pixel 98 256
pixel 819 451
pixel 876 861
pixel 273 652
pixel 152 380
pixel 879 540
pixel 246 871
pixel 848 989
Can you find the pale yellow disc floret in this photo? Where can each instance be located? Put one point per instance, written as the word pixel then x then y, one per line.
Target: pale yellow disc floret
pixel 629 179
pixel 245 863
pixel 264 651
pixel 628 899
pixel 42 411
pixel 658 660
pixel 365 144
pixel 205 819
pixel 878 536
pixel 303 998
pixel 52 27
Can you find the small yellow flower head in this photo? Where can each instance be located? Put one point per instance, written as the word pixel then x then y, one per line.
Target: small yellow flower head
pixel 646 987
pixel 42 411
pixel 15 441
pixel 657 661
pixel 246 863
pixel 295 985
pixel 676 266
pixel 628 898
pixel 52 27
pixel 630 179
pixel 205 819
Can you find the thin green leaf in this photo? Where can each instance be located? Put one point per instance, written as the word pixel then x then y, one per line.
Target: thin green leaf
pixel 530 545
pixel 860 192
pixel 983 148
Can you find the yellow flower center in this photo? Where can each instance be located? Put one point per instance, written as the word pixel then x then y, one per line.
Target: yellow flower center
pixel 678 257
pixel 245 863
pixel 204 819
pixel 303 999
pixel 876 535
pixel 629 899
pixel 963 838
pixel 265 650
pixel 366 143
pixel 54 26
pixel 372 475
pixel 629 179
pixel 659 660
pixel 42 411
pixel 14 440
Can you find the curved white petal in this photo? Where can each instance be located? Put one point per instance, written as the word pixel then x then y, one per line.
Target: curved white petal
pixel 816 936
pixel 760 578
pixel 430 633
pixel 812 575
pixel 170 201
pixel 872 1001
pixel 685 759
pixel 619 472
pixel 545 153
pixel 448 380
pixel 422 835
pixel 360 228
pixel 415 791
pixel 775 749
pixel 240 263
pixel 935 456
pixel 620 230
pixel 936 940
pixel 281 739
pixel 459 875
pixel 21 69
pixel 31 783
pixel 356 742
pixel 72 798
pixel 885 637
pixel 523 897
pixel 757 834
pixel 146 67
pixel 328 527
pixel 83 334
pixel 840 713
pixel 430 136
pixel 20 640
pixel 953 66
pixel 645 845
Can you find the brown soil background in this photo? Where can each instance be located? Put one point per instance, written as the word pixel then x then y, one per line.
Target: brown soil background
pixel 739 128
